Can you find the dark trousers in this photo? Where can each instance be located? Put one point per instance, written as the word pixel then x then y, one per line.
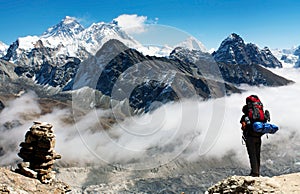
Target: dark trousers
pixel 253 145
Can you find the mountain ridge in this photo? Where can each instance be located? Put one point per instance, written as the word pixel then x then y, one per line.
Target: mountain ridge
pixel 233 50
pixel 101 58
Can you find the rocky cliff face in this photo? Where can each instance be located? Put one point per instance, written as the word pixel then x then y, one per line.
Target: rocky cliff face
pixel 233 50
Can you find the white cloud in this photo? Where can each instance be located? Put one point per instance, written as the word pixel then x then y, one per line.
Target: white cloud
pixel 132 24
pixel 174 130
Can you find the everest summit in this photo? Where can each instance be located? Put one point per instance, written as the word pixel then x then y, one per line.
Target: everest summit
pixel 68 38
pixel 68 28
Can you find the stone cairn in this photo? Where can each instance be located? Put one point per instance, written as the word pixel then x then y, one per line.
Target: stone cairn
pixel 38 153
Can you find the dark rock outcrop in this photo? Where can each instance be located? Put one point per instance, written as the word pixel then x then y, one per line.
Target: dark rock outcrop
pixel 2 106
pixel 11 51
pixel 7 71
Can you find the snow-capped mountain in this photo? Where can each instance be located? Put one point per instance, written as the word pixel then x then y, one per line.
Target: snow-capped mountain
pixel 69 38
pixel 66 39
pixel 68 28
pixel 233 50
pixel 98 33
pixel 192 43
pixel 103 57
pixel 287 57
pixel 3 49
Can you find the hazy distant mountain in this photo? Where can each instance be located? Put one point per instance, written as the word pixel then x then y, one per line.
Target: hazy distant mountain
pixel 3 48
pixel 289 57
pixel 192 44
pixel 233 50
pixel 297 53
pixel 162 51
pixel 286 56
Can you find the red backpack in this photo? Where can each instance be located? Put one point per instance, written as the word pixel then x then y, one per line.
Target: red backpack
pixel 256 109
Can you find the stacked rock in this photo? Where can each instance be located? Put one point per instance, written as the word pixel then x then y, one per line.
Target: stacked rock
pixel 38 153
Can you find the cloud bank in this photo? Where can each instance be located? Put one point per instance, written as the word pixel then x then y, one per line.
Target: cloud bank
pixel 190 129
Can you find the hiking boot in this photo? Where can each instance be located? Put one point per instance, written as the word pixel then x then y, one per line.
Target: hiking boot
pixel 254 174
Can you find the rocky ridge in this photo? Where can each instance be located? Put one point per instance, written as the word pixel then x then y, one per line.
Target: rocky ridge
pixel 13 183
pixel 66 58
pixel 252 74
pixel 288 183
pixel 124 73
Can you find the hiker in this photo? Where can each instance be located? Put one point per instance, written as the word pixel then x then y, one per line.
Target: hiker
pixel 253 143
pixel 251 138
pixel 255 123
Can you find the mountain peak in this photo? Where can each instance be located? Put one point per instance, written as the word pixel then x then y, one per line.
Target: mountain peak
pixel 233 50
pixel 68 27
pixel 234 38
pixel 111 47
pixel 69 19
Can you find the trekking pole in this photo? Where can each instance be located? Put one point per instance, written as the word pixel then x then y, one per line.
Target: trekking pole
pixel 243 140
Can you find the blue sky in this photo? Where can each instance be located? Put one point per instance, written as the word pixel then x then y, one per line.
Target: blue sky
pixel 272 23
